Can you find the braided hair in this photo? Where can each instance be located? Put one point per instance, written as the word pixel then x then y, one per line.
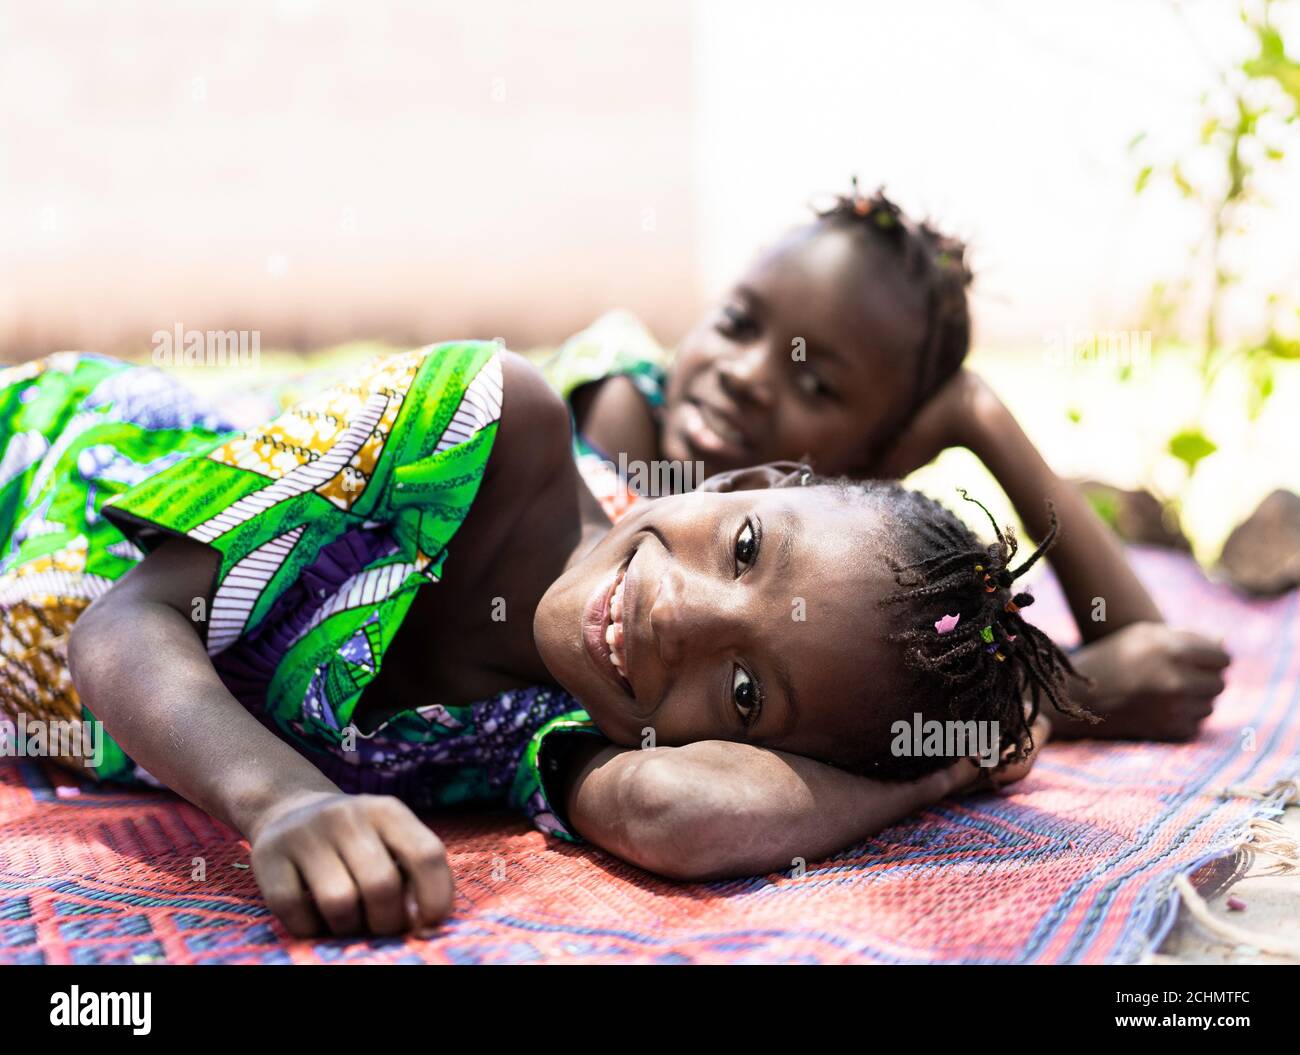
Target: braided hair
pixel 987 658
pixel 936 264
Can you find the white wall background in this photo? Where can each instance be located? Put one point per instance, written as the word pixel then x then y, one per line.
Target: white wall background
pixel 325 169
pixel 1006 120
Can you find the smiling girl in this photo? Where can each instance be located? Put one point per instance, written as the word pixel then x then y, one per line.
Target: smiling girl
pixel 399 595
pixel 842 346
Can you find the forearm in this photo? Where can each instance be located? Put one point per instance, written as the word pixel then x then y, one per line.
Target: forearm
pixel 167 708
pixel 715 809
pixel 1088 559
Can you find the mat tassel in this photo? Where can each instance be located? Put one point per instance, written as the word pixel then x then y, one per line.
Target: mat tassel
pixel 1262 837
pixel 1286 792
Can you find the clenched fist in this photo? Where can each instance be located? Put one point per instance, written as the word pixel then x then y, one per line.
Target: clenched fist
pixel 1149 682
pixel 350 864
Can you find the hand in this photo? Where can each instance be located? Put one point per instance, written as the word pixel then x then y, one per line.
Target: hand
pixel 350 864
pixel 968 773
pixel 949 418
pixel 1150 682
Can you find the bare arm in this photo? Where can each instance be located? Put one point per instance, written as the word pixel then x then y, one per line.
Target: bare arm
pixel 1088 558
pixel 715 809
pixel 614 417
pixel 321 857
pixel 1149 680
pixel 140 667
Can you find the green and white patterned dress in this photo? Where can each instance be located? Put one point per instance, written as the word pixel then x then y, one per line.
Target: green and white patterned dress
pixel 616 345
pixel 327 519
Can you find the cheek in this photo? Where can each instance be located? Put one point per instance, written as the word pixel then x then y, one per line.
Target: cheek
pixel 613 722
pixel 687 716
pixel 697 352
pixel 555 633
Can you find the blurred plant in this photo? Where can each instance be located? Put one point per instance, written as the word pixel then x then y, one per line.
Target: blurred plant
pixel 1245 119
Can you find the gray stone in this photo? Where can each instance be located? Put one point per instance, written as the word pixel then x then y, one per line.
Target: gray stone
pixel 1137 516
pixel 1262 555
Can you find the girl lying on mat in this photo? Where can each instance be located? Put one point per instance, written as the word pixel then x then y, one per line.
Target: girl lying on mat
pixel 843 347
pixel 399 595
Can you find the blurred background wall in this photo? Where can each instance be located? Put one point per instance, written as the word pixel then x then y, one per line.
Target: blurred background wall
pixel 324 170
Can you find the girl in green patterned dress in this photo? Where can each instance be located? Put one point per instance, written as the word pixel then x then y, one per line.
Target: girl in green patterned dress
pixel 398 595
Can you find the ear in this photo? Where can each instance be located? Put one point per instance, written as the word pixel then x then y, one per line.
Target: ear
pixel 757 477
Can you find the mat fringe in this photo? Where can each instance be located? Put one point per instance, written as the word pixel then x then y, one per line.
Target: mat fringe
pixel 1282 794
pixel 1262 837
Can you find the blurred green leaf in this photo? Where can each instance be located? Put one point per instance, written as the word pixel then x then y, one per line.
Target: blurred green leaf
pixel 1190 446
pixel 1273 63
pixel 1143 178
pixel 1261 385
pixel 1104 504
pixel 1281 347
pixel 1074 415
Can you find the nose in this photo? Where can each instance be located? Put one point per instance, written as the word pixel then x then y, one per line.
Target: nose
pixel 691 617
pixel 744 375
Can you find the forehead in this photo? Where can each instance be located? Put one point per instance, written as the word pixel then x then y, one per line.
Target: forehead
pixel 842 284
pixel 840 663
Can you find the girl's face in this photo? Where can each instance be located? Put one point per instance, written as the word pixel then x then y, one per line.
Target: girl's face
pixel 808 357
pixel 748 616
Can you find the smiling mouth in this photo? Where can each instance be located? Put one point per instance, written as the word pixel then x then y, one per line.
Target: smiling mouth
pixel 709 430
pixel 722 425
pixel 614 625
pixel 603 631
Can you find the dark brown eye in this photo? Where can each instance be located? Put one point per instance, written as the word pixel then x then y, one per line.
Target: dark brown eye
pixel 746 548
pixel 811 385
pixel 744 693
pixel 734 320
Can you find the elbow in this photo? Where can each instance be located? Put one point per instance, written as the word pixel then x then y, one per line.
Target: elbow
pixel 677 829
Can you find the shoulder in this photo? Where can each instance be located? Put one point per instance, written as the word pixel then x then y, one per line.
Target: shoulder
pixel 530 405
pixel 615 344
pixel 535 435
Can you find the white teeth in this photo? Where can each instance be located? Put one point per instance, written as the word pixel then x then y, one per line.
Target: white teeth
pixel 614 629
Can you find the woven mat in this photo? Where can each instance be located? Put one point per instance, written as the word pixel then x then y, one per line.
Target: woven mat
pixel 1075 865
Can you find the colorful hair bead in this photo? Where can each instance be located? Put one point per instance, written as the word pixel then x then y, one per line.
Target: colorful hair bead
pixel 947 624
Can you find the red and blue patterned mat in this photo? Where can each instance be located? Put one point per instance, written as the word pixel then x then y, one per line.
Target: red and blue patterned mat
pixel 1076 864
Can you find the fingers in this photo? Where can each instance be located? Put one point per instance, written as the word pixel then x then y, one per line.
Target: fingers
pixel 375 876
pixel 423 860
pixel 1199 650
pixel 1184 717
pixel 1197 681
pixel 351 864
pixel 332 888
pixel 285 895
